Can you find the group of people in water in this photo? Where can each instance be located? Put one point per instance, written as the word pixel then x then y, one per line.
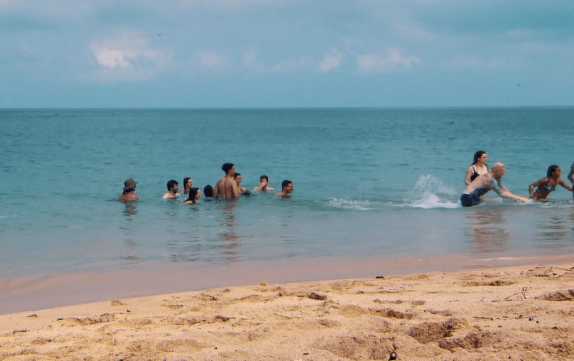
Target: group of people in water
pixel 480 179
pixel 229 187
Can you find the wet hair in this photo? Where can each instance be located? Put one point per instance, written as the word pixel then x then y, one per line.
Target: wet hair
pixel 171 183
pixel 226 167
pixel 285 183
pixel 551 170
pixel 264 177
pixel 185 181
pixel 236 175
pixel 208 191
pixel 192 194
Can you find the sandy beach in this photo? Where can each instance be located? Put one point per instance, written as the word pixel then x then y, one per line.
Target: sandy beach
pixel 512 313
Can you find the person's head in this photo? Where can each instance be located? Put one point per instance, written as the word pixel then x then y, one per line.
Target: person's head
pixel 238 178
pixel 228 167
pixel 172 186
pixel 554 170
pixel 187 183
pixel 287 186
pixel 129 185
pixel 194 194
pixel 480 156
pixel 208 191
pixel 264 178
pixel 498 170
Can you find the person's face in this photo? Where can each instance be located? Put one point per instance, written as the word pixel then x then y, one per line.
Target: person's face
pixel 289 188
pixel 232 171
pixel 557 173
pixel 198 195
pixel 483 158
pixel 264 182
pixel 239 179
pixel 189 183
pixel 175 188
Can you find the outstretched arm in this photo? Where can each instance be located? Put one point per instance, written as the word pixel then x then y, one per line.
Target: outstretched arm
pixel 509 195
pixel 563 184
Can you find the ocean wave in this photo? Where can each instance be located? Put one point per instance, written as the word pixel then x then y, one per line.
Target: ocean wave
pixel 430 192
pixel 350 204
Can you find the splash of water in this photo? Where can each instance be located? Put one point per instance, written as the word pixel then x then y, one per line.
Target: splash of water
pixel 358 205
pixel 430 192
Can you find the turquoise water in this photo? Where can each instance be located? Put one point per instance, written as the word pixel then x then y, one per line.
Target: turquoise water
pixel 368 183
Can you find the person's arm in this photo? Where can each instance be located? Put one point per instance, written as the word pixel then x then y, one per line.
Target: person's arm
pixel 469 172
pixel 505 193
pixel 563 184
pixel 535 185
pixel 571 174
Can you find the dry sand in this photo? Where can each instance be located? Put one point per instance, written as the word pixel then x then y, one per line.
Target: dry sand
pixel 514 313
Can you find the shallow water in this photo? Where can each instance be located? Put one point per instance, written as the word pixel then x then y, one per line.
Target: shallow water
pixel 369 184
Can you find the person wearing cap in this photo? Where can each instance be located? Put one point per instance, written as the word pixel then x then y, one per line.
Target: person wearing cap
pixel 129 195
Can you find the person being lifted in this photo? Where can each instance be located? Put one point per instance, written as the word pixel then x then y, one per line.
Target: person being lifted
pixel 227 187
pixel 484 184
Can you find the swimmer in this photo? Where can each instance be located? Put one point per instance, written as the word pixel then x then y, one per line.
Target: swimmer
pixel 547 185
pixel 478 167
pixel 485 183
pixel 227 186
pixel 263 186
pixel 172 188
pixel 129 195
pixel 187 184
pixel 287 188
pixel 194 195
pixel 208 191
pixel 242 190
pixel 571 174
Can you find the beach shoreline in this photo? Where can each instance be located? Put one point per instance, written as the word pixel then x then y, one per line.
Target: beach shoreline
pixel 517 312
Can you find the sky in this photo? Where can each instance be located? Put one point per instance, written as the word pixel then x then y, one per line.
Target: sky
pixel 285 53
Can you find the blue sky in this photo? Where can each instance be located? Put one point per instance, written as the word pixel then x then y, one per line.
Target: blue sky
pixel 286 53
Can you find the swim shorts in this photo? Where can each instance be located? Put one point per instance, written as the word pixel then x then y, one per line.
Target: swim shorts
pixel 469 200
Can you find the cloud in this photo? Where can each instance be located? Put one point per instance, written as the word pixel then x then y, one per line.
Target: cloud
pixel 475 62
pixel 393 61
pixel 126 58
pixel 330 62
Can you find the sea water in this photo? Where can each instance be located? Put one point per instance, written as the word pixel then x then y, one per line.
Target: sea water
pixel 369 184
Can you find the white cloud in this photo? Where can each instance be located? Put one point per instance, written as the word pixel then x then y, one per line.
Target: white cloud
pixel 461 62
pixel 209 59
pixel 394 60
pixel 285 66
pixel 330 61
pixel 126 58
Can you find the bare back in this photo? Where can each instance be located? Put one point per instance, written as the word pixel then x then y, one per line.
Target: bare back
pixel 227 188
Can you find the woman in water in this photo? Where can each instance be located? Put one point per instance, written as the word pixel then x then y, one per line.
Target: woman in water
pixel 477 168
pixel 547 185
pixel 194 195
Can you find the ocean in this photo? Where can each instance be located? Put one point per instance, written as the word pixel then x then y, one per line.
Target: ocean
pixel 376 193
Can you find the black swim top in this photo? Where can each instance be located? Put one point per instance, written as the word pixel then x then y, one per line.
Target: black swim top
pixel 475 174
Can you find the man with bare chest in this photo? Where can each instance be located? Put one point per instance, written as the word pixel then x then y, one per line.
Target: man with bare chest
pixel 227 187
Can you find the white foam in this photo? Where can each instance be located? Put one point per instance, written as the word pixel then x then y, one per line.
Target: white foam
pixel 350 204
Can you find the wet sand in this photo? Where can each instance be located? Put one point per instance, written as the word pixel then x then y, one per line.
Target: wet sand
pixel 511 313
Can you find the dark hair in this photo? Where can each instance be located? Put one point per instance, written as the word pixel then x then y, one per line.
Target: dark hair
pixel 208 191
pixel 477 155
pixel 170 184
pixel 192 194
pixel 285 183
pixel 236 175
pixel 264 177
pixel 185 181
pixel 551 170
pixel 226 167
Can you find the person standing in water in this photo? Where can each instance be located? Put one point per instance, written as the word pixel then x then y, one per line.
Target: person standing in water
pixel 242 190
pixel 227 187
pixel 263 186
pixel 571 175
pixel 287 188
pixel 194 195
pixel 129 195
pixel 172 188
pixel 547 185
pixel 478 167
pixel 484 184
pixel 187 184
